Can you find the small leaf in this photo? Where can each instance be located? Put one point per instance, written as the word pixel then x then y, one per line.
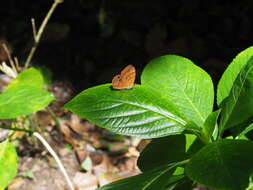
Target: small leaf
pixel 239 99
pixel 162 151
pixel 139 112
pixel 23 100
pixel 231 73
pixel 188 86
pixel 222 165
pixel 190 139
pixel 210 124
pixel 31 77
pixel 9 163
pixel 87 164
pixel 154 179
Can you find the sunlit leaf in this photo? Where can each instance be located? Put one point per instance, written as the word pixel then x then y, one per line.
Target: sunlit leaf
pixel 8 163
pixel 22 100
pixel 231 73
pixel 139 112
pixel 188 86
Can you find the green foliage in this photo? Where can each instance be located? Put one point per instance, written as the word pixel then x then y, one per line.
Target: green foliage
pixel 239 99
pixel 153 179
pixel 23 100
pixel 178 79
pixel 175 100
pixel 231 73
pixel 224 164
pixel 8 163
pixel 25 95
pixel 170 149
pixel 139 112
pixel 210 125
pixel 31 77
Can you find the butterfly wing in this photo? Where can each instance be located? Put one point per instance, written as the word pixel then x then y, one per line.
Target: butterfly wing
pixel 126 78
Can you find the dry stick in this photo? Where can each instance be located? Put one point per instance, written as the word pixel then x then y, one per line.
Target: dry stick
pixel 16 63
pixel 41 29
pixel 34 28
pixel 9 58
pixel 52 152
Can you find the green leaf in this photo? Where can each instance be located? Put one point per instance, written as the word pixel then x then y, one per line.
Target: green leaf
pixel 162 151
pixel 31 77
pixel 210 124
pixel 231 73
pixel 9 163
pixel 23 100
pixel 139 112
pixel 222 165
pixel 154 179
pixel 188 86
pixel 239 100
pixel 190 139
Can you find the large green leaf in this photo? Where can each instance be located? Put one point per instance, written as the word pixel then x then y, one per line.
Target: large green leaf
pixel 238 106
pixel 31 77
pixel 151 180
pixel 229 76
pixel 188 86
pixel 23 100
pixel 8 163
pixel 139 112
pixel 162 151
pixel 223 165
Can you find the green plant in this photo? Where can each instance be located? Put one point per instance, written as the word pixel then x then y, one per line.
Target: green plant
pixel 25 95
pixel 174 104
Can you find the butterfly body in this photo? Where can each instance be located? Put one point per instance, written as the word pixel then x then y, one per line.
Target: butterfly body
pixel 125 80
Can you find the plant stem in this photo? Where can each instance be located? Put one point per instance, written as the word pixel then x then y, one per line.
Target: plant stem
pixel 16 129
pixel 54 117
pixel 58 161
pixel 182 162
pixel 37 36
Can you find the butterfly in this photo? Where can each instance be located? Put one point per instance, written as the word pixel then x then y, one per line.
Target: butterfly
pixel 126 78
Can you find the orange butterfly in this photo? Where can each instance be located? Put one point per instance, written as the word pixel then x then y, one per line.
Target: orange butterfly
pixel 126 78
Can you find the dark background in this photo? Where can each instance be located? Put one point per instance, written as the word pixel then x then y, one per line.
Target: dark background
pixel 87 42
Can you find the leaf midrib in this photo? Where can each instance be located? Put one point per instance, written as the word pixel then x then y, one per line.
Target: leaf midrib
pixel 155 178
pixel 179 120
pixel 189 100
pixel 235 99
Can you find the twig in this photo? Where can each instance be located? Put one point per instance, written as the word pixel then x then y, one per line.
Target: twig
pixel 37 37
pixel 52 152
pixel 16 63
pixel 34 28
pixel 9 58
